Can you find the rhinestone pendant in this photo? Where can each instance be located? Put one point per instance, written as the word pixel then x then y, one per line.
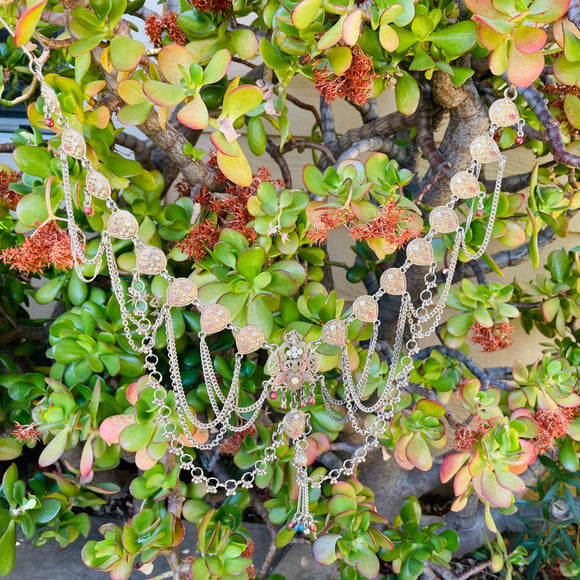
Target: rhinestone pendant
pixel 504 113
pixel 394 281
pixel 249 339
pixel 365 309
pixel 214 318
pixel 334 332
pixel 181 292
pixel 464 185
pixel 98 185
pixel 420 252
pixel 150 260
pixel 484 149
pixel 122 225
pixel 295 423
pixel 443 220
pixel 73 143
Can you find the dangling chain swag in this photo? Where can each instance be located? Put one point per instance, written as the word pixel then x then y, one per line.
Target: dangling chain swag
pixel 292 367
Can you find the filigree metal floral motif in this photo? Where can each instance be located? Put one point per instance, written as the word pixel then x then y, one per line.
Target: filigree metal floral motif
pixel 294 365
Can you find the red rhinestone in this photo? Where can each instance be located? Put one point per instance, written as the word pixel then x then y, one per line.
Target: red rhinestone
pixel 49 122
pixel 479 213
pixel 311 401
pixel 302 404
pixel 273 395
pixel 312 527
pixel 88 210
pixel 291 526
pixel 519 140
pixel 283 406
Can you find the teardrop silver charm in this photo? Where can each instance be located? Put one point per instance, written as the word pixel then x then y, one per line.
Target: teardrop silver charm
pixel 484 149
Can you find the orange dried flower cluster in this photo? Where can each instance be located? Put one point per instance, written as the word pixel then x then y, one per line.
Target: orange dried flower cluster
pixel 232 444
pixel 25 432
pixel 214 6
pixel 388 224
pixel 155 25
pixel 354 84
pixel 183 188
pixel 247 553
pixel 552 425
pixel 498 337
pixel 9 198
pixel 49 244
pixel 226 211
pixel 466 438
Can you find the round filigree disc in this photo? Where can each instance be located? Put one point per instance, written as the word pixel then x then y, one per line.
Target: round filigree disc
pixel 504 113
pixel 73 143
pixel 150 260
pixel 443 220
pixel 484 149
pixel 420 252
pixel 122 225
pixel 98 185
pixel 249 339
pixel 365 309
pixel 214 318
pixel 394 281
pixel 334 332
pixel 464 185
pixel 181 292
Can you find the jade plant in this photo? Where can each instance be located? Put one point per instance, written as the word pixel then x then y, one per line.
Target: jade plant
pixel 194 124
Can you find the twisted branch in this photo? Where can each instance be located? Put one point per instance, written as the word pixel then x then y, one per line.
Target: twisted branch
pixel 377 143
pixel 274 152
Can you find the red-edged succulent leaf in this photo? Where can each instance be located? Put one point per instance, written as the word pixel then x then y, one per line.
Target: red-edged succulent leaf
pixel 236 168
pixel 111 427
pixel 87 458
pixel 26 24
pixel 304 13
pixel 195 114
pixel 351 27
pixel 322 441
pixel 528 456
pixel 242 100
pixel 528 39
pixel 462 481
pixel 125 52
pixel 418 453
pixel 311 451
pixel 339 58
pixel 388 38
pixel 134 114
pixel 502 27
pixel 523 69
pixel 481 7
pixel 343 488
pixel 460 502
pixel 131 91
pixel 548 10
pixel 223 145
pixel 324 548
pixel 566 72
pixel 451 465
pixel 477 464
pixel 164 94
pixel 143 460
pixel 498 59
pixel 492 491
pixel 510 481
pixel 170 58
pixel 430 408
pixel 217 67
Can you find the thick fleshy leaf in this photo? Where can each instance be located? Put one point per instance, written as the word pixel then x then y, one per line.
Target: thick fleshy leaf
pixel 331 36
pixel 524 69
pixel 481 7
pixel 462 481
pixel 245 42
pixel 498 59
pixel 388 38
pixel 54 449
pixel 134 114
pixel 548 10
pixel 567 72
pixel 451 465
pixel 8 549
pixel 219 141
pixel 131 91
pixel 87 458
pixel 242 100
pixel 125 53
pixel 418 453
pixel 572 109
pixel 218 66
pixel 170 57
pixel 111 427
pixel 510 481
pixel 304 13
pixel 407 94
pixel 324 548
pixel 351 27
pixel 456 39
pixel 528 39
pixel 26 24
pixel 136 436
pixel 164 94
pixel 195 114
pixel 490 489
pixel 339 58
pixel 489 38
pixel 236 168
